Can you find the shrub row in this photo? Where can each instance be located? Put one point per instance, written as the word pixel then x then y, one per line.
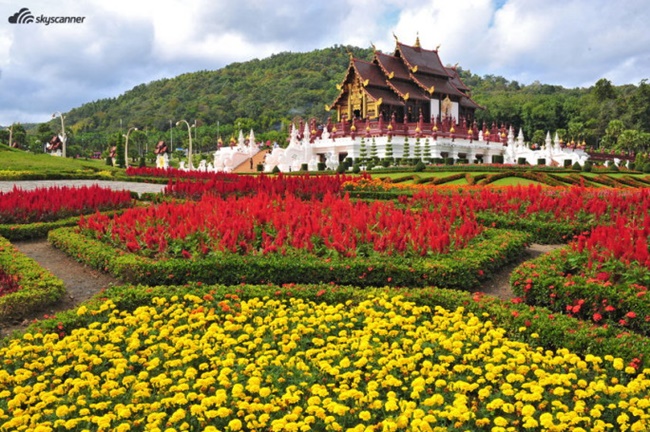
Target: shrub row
pixel 38 287
pixel 39 230
pixel 543 232
pixel 462 269
pixel 557 281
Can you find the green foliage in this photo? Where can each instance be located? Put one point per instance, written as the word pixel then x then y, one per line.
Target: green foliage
pixel 264 95
pixel 419 167
pixel 119 151
pixel 363 150
pixel 38 287
pixel 545 282
pixel 576 166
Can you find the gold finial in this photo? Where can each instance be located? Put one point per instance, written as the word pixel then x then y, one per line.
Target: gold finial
pixel 395 36
pixel 438 47
pixel 417 40
pixel 349 54
pixel 374 48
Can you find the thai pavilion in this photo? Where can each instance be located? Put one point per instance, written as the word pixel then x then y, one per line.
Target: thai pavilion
pixel 398 107
pixel 410 82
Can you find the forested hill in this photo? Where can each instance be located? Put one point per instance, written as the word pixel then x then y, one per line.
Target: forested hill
pixel 264 94
pixel 266 91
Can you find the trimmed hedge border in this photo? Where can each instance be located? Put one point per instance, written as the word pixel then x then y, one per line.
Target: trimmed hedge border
pixel 543 232
pixel 551 281
pixel 463 269
pixel 39 230
pixel 38 287
pixel 536 326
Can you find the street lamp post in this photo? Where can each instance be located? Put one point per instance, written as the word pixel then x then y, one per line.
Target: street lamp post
pixel 63 135
pixel 189 133
pixel 126 147
pixel 171 136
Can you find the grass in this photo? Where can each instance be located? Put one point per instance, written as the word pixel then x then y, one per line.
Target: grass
pixel 514 181
pixel 19 160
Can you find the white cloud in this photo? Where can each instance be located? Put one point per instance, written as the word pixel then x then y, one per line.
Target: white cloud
pixel 123 43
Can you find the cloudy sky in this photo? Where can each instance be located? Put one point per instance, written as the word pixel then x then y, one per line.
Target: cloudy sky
pixel 122 43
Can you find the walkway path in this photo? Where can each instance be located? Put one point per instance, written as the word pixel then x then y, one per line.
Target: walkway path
pixel 6 186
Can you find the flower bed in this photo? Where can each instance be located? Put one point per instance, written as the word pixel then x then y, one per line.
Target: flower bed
pixel 49 204
pixel 463 269
pixel 224 363
pixel 32 214
pixel 29 286
pixel 303 186
pixel 265 239
pixel 602 276
pixel 266 224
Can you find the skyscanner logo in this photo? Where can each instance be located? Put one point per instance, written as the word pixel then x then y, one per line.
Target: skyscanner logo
pixel 24 16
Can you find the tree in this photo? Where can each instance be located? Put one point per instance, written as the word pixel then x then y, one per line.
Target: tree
pixel 363 151
pixel 427 150
pixel 576 130
pixel 603 90
pixel 417 149
pixel 389 149
pixel 630 140
pixel 538 137
pixel 373 149
pixel 613 131
pixel 406 153
pixel 119 151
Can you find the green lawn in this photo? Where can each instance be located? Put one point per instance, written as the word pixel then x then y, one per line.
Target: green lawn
pixel 515 181
pixel 19 160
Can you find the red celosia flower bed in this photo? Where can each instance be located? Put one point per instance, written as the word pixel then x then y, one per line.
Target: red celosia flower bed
pixel 557 204
pixel 626 241
pixel 195 184
pixel 303 186
pixel 264 224
pixel 48 204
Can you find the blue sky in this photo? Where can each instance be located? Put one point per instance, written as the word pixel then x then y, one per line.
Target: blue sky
pixel 120 43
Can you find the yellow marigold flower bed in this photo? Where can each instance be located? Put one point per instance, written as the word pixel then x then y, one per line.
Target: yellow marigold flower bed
pixel 270 364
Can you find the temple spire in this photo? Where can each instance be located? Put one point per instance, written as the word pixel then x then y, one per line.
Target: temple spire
pixel 417 40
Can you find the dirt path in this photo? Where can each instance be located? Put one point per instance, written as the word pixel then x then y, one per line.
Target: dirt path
pixel 81 282
pixel 499 285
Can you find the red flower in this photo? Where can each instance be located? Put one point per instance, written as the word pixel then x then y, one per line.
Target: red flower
pixel 597 317
pixel 610 308
pixel 630 314
pixel 186 254
pixel 320 293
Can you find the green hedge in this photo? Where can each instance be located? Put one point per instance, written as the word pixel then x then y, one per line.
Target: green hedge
pixel 38 230
pixel 463 269
pixel 555 281
pixel 544 232
pixel 38 287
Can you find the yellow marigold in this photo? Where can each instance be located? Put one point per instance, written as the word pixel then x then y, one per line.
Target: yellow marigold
pixel 365 415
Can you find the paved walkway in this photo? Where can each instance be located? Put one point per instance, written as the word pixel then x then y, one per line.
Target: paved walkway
pixel 6 186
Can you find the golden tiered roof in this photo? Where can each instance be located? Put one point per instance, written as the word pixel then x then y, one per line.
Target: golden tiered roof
pixel 403 82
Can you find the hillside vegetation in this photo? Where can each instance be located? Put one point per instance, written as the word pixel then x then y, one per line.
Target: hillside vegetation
pixel 266 95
